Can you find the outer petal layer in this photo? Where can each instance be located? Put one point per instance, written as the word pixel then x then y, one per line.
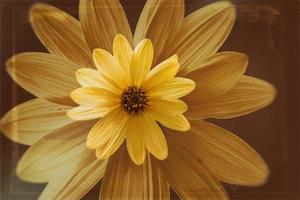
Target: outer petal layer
pixel 44 75
pixel 75 185
pixel 60 33
pixel 216 76
pixel 248 95
pixel 30 121
pixel 188 177
pixel 101 21
pixel 159 21
pixel 228 157
pixel 202 33
pixel 125 180
pixel 57 154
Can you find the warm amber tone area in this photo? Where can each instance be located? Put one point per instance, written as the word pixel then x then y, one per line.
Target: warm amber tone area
pixel 270 131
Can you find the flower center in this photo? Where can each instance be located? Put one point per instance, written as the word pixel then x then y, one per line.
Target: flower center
pixel 134 100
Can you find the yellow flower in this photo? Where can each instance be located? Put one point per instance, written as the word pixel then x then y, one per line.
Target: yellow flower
pixel 101 89
pixel 129 98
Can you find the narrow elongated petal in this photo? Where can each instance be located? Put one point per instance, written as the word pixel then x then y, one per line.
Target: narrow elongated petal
pixel 227 156
pixel 216 76
pixel 90 78
pixel 44 75
pixel 60 33
pixel 75 185
pixel 32 120
pixel 188 177
pixel 202 33
pixel 162 73
pixel 141 62
pixel 159 21
pixel 123 52
pixel 56 154
pixel 248 95
pixel 135 140
pixel 175 88
pixel 95 96
pixel 107 128
pixel 101 21
pixel 175 122
pixel 113 143
pixel 171 106
pixel 125 180
pixel 110 68
pixel 155 140
pixel 82 113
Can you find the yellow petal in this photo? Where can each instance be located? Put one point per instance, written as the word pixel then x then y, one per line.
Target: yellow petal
pixel 82 113
pixel 216 76
pixel 44 75
pixel 141 62
pixel 60 33
pixel 125 180
pixel 95 96
pixel 169 106
pixel 101 21
pixel 135 139
pixel 91 78
pixel 32 120
pixel 159 21
pixel 162 73
pixel 56 154
pixel 123 52
pixel 110 68
pixel 188 177
pixel 175 88
pixel 228 157
pixel 175 122
pixel 248 95
pixel 107 128
pixel 154 138
pixel 113 143
pixel 75 185
pixel 202 33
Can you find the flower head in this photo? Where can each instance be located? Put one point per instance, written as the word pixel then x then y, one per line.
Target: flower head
pixel 130 98
pixel 101 89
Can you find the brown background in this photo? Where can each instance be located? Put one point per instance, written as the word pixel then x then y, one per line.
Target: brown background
pixel 268 31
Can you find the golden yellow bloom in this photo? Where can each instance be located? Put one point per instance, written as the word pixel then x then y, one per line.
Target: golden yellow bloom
pixel 129 97
pixel 101 89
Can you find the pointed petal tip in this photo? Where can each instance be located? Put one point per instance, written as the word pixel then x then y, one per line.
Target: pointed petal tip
pixel 23 174
pixel 102 156
pixel 137 161
pixel 145 43
pixel 8 65
pixel 162 156
pixel 120 37
pixel 260 175
pixel 39 9
pixel 272 92
pixel 225 5
pixel 174 58
pixel 70 115
pixel 96 51
pixel 90 144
